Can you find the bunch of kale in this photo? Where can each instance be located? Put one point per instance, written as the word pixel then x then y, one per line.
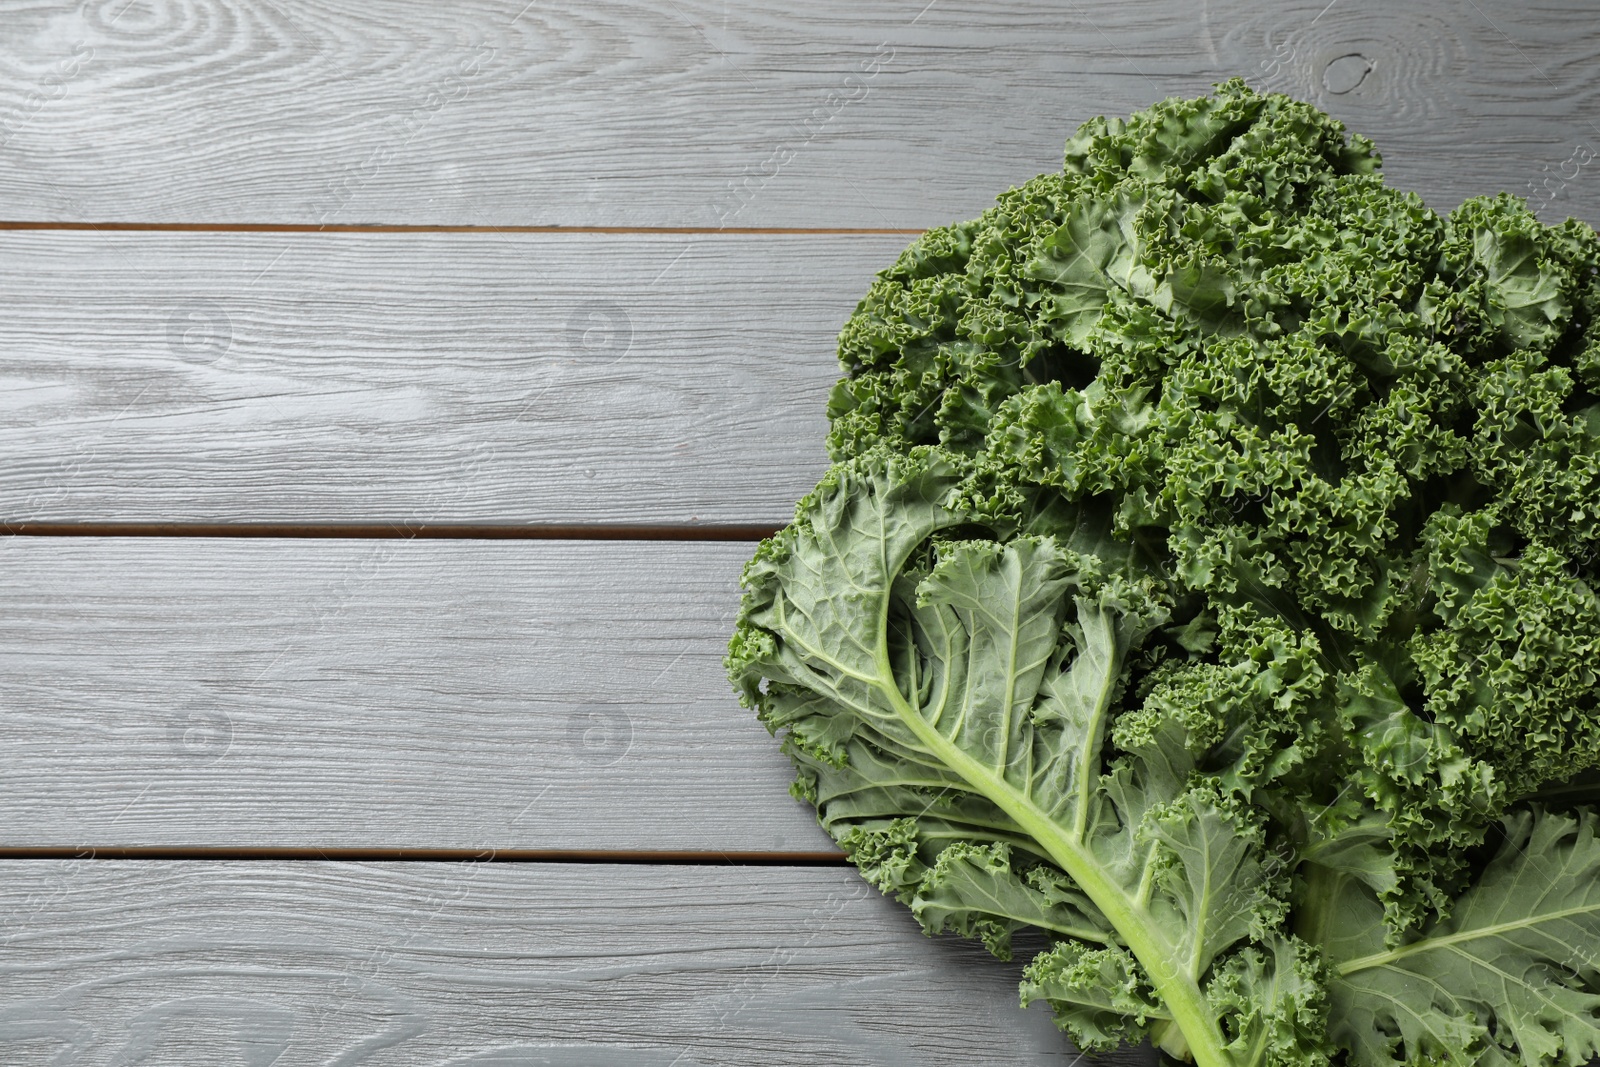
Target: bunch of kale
pixel 1205 579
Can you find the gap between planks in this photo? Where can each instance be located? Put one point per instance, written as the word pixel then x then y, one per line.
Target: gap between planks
pixel 312 227
pixel 660 857
pixel 398 530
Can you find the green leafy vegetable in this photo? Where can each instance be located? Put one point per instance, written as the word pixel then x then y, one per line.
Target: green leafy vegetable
pixel 1205 583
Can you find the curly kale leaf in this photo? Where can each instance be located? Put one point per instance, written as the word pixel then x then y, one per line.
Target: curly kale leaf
pixel 1513 976
pixel 973 681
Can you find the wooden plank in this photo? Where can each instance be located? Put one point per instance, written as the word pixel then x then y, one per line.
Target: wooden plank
pixel 438 378
pixel 491 965
pixel 688 112
pixel 381 694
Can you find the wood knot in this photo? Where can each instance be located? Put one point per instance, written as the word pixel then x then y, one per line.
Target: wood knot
pixel 1344 73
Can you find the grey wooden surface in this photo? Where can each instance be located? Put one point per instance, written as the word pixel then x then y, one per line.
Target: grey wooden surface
pixel 202 964
pixel 247 695
pixel 381 693
pixel 697 113
pixel 439 378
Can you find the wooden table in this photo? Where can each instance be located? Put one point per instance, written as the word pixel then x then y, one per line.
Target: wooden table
pixel 392 394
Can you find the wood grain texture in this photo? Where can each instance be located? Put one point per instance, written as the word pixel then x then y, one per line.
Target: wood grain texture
pixel 382 694
pixel 491 965
pixel 691 112
pixel 419 378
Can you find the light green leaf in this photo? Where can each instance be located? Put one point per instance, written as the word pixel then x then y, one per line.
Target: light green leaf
pixel 1525 297
pixel 1099 996
pixel 1209 834
pixel 1274 1002
pixel 979 677
pixel 1094 250
pixel 975 890
pixel 1510 978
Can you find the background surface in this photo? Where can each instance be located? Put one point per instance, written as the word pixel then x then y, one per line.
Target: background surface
pixel 389 396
